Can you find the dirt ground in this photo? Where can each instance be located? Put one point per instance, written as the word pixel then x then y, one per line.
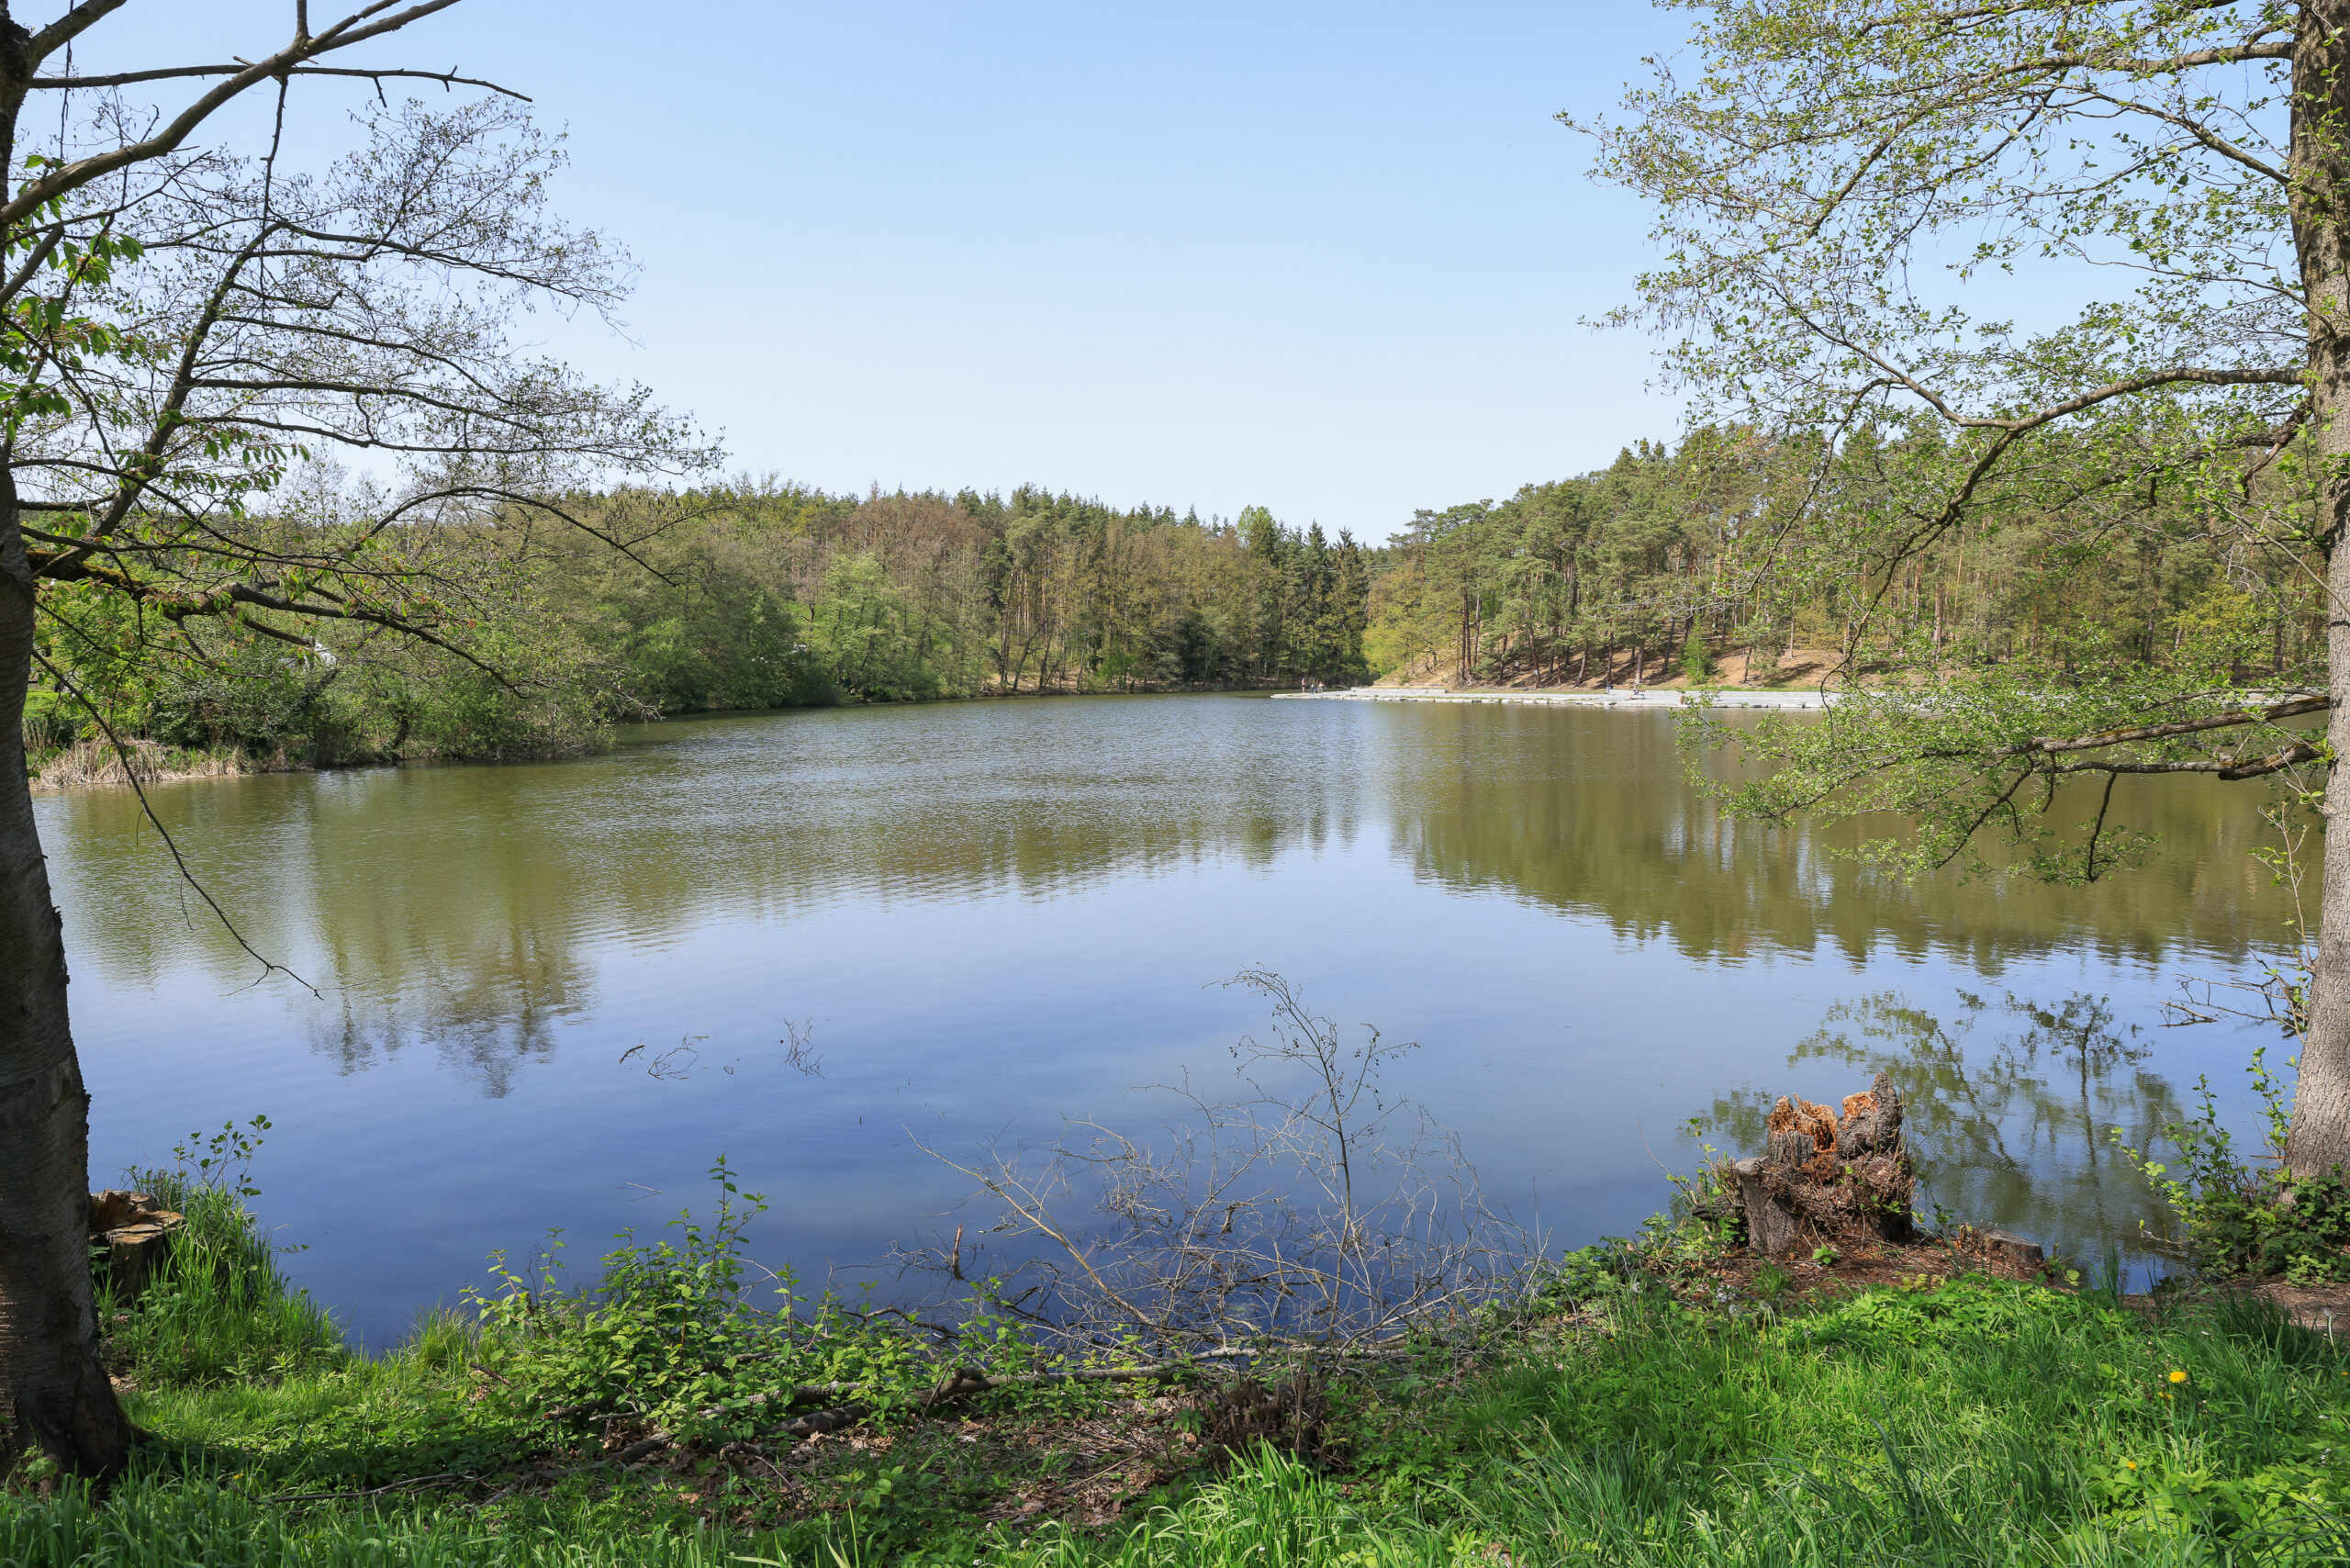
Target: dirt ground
pixel 2321 1307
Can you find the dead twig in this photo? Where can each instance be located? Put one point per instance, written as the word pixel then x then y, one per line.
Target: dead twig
pixel 442 1479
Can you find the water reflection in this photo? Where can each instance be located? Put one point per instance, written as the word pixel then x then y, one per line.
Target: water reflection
pixel 2012 1107
pixel 998 914
pixel 474 910
pixel 1592 812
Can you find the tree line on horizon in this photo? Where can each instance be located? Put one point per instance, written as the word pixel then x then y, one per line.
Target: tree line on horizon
pixel 743 595
pixel 1726 553
pixel 1731 548
pixel 772 594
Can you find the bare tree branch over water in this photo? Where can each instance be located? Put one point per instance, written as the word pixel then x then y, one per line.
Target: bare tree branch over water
pixel 1307 1208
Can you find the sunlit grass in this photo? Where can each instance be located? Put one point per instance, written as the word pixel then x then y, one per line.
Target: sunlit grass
pixel 2023 1428
pixel 220 1310
pixel 1976 1422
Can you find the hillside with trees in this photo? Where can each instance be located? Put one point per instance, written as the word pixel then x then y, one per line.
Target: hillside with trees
pixel 1730 556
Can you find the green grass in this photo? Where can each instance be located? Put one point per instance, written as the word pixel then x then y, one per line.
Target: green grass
pixel 1972 1422
pixel 1976 1423
pixel 221 1311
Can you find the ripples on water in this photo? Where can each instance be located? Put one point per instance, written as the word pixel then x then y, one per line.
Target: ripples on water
pixel 997 914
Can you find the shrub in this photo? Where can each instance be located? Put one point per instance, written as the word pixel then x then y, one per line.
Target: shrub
pixel 2259 1221
pixel 1696 664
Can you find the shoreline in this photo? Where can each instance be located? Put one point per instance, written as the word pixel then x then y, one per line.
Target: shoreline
pixel 808 1434
pixel 1652 698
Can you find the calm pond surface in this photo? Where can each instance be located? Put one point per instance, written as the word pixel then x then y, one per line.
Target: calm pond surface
pixel 991 916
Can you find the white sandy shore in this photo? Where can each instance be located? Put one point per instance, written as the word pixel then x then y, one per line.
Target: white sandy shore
pixel 1676 697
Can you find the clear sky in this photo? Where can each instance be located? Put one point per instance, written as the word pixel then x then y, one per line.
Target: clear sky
pixel 1329 259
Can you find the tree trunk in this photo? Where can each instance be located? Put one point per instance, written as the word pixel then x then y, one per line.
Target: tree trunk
pixel 2320 1140
pixel 53 1391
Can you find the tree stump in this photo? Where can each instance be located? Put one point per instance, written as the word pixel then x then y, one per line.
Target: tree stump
pixel 1770 1223
pixel 135 1235
pixel 2003 1249
pixel 1824 1176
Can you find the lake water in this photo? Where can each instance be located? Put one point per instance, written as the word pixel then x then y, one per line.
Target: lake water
pixel 988 917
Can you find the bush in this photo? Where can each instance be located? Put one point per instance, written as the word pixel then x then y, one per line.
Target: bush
pixel 1696 664
pixel 2238 1220
pixel 219 1310
pixel 668 1340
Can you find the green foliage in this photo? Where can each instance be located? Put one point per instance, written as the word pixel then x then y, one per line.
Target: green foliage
pixel 1696 664
pixel 670 1338
pixel 759 597
pixel 216 1310
pixel 2259 1221
pixel 1972 1421
pixel 1965 1311
pixel 351 697
pixel 778 595
pixel 1614 571
pixel 1612 1415
pixel 1975 1422
pixel 46 331
pixel 2082 543
pixel 158 1523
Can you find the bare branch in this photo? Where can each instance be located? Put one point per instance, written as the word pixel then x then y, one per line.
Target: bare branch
pixel 355 29
pixel 127 78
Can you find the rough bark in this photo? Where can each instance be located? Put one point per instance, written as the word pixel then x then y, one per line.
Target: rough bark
pixel 1770 1224
pixel 1822 1177
pixel 2320 1140
pixel 53 1389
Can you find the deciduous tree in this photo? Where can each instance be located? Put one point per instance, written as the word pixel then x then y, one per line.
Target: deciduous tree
pixel 183 326
pixel 2057 260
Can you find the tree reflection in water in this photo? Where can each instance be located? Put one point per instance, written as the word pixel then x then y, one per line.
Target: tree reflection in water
pixel 2011 1109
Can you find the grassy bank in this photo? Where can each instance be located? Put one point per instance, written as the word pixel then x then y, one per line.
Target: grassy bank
pixel 1632 1411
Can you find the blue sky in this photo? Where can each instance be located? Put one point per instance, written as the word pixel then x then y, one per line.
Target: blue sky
pixel 1332 260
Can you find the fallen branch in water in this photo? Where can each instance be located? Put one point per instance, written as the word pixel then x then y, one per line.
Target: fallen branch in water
pixel 1305 1207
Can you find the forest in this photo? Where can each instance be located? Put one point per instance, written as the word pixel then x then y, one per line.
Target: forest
pixel 1724 557
pixel 1732 557
pixel 748 595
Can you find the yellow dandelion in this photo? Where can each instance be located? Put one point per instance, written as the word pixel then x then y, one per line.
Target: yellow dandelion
pixel 2177 1377
pixel 2130 1462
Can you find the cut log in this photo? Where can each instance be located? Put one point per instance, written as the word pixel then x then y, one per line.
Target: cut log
pixel 110 1210
pixel 131 1237
pixel 2016 1251
pixel 2001 1249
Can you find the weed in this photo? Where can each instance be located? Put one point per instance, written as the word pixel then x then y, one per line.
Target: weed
pixel 1592 1417
pixel 218 1310
pixel 2251 1220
